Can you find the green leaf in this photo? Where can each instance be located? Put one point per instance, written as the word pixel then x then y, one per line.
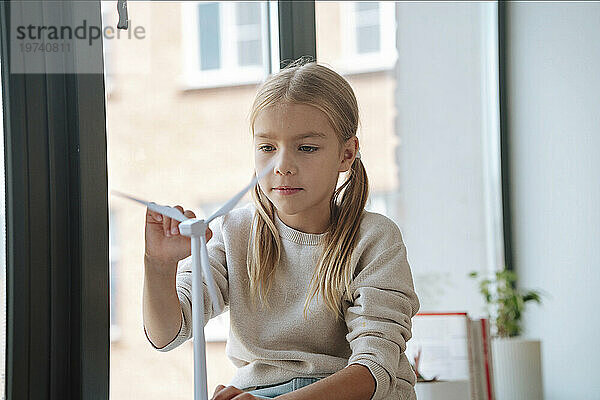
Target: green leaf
pixel 532 296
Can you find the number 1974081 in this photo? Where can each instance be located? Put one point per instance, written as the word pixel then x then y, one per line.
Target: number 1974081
pixel 31 47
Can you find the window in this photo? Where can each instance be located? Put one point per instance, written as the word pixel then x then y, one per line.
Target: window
pixel 365 35
pixel 209 36
pixel 224 43
pixel 176 148
pixel 367 27
pixel 432 161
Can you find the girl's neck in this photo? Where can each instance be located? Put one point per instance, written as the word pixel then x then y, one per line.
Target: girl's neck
pixel 313 221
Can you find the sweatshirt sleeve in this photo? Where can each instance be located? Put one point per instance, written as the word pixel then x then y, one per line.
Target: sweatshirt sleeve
pixel 218 267
pixel 381 304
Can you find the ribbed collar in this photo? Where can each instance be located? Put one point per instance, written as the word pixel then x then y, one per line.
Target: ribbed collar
pixel 296 236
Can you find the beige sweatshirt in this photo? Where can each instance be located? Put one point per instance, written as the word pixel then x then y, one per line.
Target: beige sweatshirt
pixel 274 345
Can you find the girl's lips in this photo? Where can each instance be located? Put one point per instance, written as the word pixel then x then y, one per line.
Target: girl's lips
pixel 286 191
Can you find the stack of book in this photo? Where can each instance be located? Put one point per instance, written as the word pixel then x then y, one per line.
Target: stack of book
pixel 453 347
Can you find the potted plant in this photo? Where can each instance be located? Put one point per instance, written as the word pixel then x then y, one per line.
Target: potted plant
pixel 516 361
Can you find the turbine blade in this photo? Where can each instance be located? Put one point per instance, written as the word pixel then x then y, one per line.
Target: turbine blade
pixel 235 199
pixel 124 195
pixel 170 212
pixel 205 263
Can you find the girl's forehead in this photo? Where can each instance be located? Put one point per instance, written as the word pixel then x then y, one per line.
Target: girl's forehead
pixel 292 111
pixel 289 135
pixel 293 120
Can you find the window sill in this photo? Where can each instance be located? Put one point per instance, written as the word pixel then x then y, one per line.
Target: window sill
pixel 189 85
pixel 358 64
pixel 194 80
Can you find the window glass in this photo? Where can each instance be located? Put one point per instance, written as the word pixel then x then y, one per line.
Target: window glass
pixel 428 136
pixel 176 136
pixel 210 36
pixel 367 27
pixel 248 23
pixel 223 43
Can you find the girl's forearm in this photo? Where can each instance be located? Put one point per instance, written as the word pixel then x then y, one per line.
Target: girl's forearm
pixel 161 308
pixel 354 382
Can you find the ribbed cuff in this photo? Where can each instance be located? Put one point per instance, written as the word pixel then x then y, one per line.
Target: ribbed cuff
pixel 379 374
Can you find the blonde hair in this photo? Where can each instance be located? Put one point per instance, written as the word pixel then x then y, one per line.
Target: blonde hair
pixel 306 82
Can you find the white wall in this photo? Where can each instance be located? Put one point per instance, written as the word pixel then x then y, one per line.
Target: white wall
pixel 554 127
pixel 447 129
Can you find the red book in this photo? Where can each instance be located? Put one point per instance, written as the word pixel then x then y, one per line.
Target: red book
pixel 485 330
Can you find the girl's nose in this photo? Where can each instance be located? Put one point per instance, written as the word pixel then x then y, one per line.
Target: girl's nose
pixel 279 170
pixel 284 166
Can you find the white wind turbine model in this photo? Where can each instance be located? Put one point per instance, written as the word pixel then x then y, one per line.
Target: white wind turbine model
pixel 196 230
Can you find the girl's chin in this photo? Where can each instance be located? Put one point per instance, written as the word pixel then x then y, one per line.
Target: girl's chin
pixel 284 207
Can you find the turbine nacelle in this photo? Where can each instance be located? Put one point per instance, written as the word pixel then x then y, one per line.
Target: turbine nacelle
pixel 193 227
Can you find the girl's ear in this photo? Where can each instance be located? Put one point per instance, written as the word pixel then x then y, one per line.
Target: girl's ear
pixel 349 150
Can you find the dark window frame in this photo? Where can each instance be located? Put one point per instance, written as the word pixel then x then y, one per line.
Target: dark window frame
pixel 57 244
pixel 504 138
pixel 297 30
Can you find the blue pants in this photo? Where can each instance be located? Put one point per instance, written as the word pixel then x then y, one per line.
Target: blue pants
pixel 272 391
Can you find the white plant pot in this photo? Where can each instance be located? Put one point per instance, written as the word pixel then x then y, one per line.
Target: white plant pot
pixel 517 366
pixel 444 390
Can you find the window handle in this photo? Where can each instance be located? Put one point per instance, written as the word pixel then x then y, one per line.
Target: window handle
pixel 122 9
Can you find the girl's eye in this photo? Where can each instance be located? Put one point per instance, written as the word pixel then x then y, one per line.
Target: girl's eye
pixel 265 147
pixel 306 149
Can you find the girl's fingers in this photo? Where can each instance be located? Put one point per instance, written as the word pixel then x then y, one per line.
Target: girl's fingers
pixel 175 223
pixel 166 225
pixel 153 216
pixel 226 393
pixel 170 226
pixel 243 396
pixel 189 214
pixel 218 389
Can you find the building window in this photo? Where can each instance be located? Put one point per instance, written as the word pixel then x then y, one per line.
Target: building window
pixel 367 27
pixel 368 32
pixel 224 43
pixel 249 39
pixel 210 36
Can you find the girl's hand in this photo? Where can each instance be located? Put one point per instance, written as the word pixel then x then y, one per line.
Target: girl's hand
pixel 231 393
pixel 164 245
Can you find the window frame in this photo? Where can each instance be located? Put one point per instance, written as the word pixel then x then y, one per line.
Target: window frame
pixel 108 55
pixel 505 143
pixel 58 323
pixel 230 73
pixel 353 62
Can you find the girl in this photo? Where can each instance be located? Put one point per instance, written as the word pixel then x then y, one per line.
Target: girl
pixel 319 290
